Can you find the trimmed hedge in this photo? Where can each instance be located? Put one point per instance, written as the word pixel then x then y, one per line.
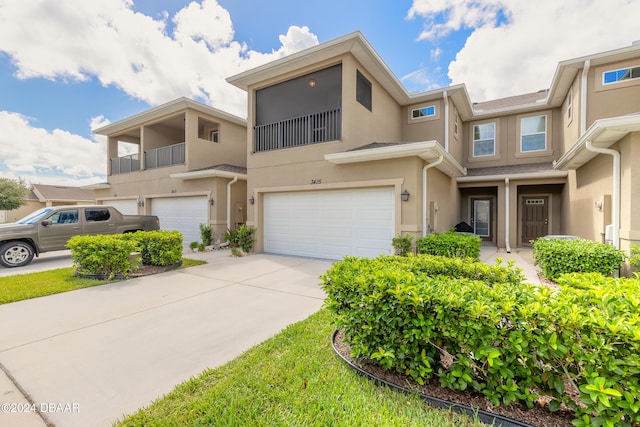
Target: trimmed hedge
pixel 558 256
pixel 450 244
pixel 110 254
pixel 486 330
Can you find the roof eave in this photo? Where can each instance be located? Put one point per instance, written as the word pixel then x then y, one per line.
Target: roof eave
pixel 209 173
pixel 426 150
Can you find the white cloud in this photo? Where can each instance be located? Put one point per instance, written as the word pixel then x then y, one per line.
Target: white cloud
pixel 79 40
pixel 41 156
pixel 521 54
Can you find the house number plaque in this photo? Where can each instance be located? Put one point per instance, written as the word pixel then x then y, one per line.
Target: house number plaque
pixel 316 181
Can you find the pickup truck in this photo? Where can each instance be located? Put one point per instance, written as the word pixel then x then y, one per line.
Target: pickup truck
pixel 49 229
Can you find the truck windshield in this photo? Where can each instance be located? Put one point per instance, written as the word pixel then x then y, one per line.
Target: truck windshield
pixel 34 217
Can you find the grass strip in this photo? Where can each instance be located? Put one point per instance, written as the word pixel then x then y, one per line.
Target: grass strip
pixel 292 379
pixel 33 285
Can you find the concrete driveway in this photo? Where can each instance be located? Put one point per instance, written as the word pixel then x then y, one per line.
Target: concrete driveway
pixel 86 358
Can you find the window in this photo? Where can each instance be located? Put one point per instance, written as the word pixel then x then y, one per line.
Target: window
pixel 484 140
pixel 65 217
pixel 455 125
pixel 429 111
pixel 213 137
pixel 363 90
pixel 570 105
pixel 97 214
pixel 620 75
pixel 533 133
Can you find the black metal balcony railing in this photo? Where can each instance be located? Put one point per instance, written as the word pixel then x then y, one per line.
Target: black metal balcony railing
pixel 298 131
pixel 125 164
pixel 164 156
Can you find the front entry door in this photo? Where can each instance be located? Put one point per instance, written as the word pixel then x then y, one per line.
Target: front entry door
pixel 481 218
pixel 535 218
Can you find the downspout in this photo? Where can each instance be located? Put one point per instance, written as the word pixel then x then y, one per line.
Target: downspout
pixel 446 121
pixel 229 184
pixel 583 97
pixel 616 189
pixel 507 220
pixel 424 192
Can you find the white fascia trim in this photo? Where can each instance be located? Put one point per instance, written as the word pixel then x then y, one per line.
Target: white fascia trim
pixel 604 132
pixel 514 177
pixel 210 173
pixel 426 150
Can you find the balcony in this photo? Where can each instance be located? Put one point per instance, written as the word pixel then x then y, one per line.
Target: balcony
pixel 126 164
pixel 298 131
pixel 164 156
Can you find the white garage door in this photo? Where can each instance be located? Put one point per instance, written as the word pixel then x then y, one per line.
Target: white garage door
pixel 184 214
pixel 330 224
pixel 125 207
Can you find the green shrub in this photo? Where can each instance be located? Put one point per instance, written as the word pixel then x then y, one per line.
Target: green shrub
pixel 206 234
pixel 402 244
pixel 103 254
pixel 508 341
pixel 634 259
pixel 160 247
pixel 242 237
pixel 559 256
pixel 450 244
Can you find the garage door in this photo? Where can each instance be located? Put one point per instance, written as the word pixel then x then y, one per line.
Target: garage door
pixel 330 224
pixel 125 207
pixel 184 214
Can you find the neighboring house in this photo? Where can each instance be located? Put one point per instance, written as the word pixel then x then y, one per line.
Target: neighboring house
pixel 343 158
pixel 41 195
pixel 188 167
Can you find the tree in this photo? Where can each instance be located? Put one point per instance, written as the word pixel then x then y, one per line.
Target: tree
pixel 12 194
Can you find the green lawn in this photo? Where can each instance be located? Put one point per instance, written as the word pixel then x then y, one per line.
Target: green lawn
pixel 292 379
pixel 33 285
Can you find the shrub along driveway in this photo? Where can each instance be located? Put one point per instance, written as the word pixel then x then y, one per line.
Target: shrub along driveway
pixel 108 350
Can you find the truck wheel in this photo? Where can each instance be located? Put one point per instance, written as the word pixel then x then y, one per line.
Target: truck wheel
pixel 15 254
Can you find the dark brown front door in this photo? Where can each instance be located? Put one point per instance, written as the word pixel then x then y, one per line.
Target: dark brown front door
pixel 535 218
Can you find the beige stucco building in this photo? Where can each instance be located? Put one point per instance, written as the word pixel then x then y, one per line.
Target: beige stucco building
pixel 188 167
pixel 336 157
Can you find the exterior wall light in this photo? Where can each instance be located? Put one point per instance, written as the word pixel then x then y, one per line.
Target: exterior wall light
pixel 141 203
pixel 312 82
pixel 405 196
pixel 252 200
pixel 211 202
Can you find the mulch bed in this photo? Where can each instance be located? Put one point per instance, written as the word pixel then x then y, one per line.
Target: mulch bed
pixel 144 270
pixel 539 415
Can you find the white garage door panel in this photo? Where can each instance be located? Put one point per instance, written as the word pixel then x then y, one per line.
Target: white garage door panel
pixel 330 224
pixel 125 207
pixel 184 214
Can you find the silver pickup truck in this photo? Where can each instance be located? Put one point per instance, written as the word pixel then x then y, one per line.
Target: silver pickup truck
pixel 49 229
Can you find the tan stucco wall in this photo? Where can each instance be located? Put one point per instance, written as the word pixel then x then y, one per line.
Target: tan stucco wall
pixel 615 99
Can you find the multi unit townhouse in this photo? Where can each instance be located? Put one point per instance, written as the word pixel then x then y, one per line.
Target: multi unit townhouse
pixel 340 157
pixel 188 167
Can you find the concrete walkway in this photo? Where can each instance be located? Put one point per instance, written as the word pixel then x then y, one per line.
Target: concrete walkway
pixel 88 357
pixel 523 258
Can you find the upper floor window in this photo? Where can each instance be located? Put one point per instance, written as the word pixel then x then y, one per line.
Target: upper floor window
pixel 213 137
pixel 620 75
pixel 455 125
pixel 363 90
pixel 533 134
pixel 484 139
pixel 429 111
pixel 570 105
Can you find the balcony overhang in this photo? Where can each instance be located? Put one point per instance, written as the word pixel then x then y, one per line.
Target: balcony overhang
pixel 429 151
pixel 97 186
pixel 229 172
pixel 602 133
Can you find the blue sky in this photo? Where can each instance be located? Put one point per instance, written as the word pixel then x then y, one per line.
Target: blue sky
pixel 69 67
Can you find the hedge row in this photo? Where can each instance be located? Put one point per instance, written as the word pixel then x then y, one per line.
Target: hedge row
pixel 482 328
pixel 558 256
pixel 450 244
pixel 110 254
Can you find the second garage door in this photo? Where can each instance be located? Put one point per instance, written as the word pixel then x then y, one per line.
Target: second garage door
pixel 184 214
pixel 330 224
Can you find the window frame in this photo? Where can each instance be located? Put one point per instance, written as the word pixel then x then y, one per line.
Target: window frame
pixel 634 74
pixel 214 136
pixel 364 91
pixel 426 110
pixel 474 140
pixel 545 133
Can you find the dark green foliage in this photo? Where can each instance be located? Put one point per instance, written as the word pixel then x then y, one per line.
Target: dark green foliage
pixel 558 256
pixel 160 247
pixel 206 234
pixel 477 326
pixel 12 194
pixel 402 244
pixel 243 237
pixel 110 254
pixel 450 244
